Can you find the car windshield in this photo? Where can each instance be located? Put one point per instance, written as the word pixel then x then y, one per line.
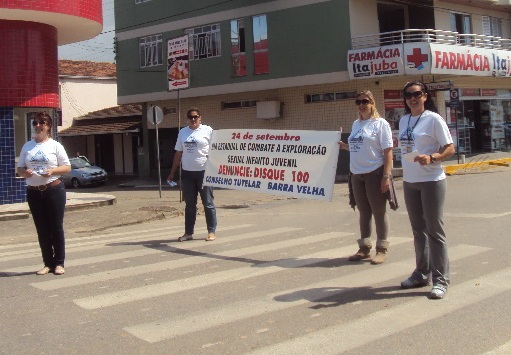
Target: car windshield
pixel 77 163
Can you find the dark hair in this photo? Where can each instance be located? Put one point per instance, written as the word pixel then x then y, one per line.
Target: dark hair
pixel 191 109
pixel 42 116
pixel 428 104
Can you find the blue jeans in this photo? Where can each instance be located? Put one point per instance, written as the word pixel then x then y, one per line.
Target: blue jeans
pixel 192 186
pixel 47 209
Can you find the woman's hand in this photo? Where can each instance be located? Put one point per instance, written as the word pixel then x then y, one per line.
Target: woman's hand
pixel 343 145
pixel 385 184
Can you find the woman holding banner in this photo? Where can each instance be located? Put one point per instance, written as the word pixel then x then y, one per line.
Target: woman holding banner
pixel 370 146
pixel 192 148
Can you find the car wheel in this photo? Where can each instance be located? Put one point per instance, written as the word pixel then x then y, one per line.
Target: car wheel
pixel 75 183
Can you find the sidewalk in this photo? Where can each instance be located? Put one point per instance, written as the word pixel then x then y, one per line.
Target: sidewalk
pixel 74 201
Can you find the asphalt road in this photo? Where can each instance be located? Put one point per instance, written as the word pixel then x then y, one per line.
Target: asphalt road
pixel 276 281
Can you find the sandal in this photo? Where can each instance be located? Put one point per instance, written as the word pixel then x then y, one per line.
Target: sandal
pixel 45 270
pixel 59 270
pixel 185 237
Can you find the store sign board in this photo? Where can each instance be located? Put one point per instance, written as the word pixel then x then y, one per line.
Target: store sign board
pixel 465 60
pixel 417 58
pixel 375 62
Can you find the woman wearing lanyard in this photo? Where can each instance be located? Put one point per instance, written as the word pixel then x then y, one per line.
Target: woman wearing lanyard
pixel 425 141
pixel 42 161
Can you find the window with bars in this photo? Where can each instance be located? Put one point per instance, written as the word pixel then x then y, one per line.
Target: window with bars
pixel 492 26
pixel 238 104
pixel 150 51
pixel 204 41
pixel 330 96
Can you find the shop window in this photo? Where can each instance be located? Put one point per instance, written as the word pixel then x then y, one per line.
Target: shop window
pixel 239 60
pixel 150 51
pixel 204 41
pixel 260 30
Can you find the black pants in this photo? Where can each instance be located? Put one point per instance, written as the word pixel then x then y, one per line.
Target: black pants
pixel 47 208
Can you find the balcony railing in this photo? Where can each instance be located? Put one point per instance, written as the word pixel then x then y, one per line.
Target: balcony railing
pixel 430 36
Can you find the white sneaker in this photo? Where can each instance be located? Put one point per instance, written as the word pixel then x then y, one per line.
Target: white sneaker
pixel 438 292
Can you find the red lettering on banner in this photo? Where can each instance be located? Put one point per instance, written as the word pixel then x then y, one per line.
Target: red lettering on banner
pixel 461 61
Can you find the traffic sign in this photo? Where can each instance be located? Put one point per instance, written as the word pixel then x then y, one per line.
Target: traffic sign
pixel 155 114
pixel 455 95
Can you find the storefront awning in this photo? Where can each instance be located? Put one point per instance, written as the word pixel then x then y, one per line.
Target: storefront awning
pixel 93 128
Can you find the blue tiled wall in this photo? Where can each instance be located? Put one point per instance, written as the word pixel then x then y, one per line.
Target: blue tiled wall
pixel 12 190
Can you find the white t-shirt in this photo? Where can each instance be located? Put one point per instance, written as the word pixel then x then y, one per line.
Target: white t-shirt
pixel 195 147
pixel 426 136
pixel 41 157
pixel 367 141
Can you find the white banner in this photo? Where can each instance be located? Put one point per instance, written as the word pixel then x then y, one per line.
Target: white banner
pixel 299 164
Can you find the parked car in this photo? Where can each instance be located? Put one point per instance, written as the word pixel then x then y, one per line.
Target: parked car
pixel 83 173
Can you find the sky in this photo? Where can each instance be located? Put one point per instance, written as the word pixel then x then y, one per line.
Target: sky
pixel 98 49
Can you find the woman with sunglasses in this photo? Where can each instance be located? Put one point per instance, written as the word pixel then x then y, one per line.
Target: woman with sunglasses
pixel 424 135
pixel 192 148
pixel 370 146
pixel 42 162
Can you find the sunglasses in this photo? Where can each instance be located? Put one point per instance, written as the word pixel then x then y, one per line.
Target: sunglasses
pixel 35 123
pixel 193 117
pixel 416 94
pixel 362 102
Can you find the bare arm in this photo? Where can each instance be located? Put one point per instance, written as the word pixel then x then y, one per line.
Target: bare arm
pixel 387 169
pixel 175 164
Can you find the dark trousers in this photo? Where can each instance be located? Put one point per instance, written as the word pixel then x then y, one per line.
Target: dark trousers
pixel 192 186
pixel 47 208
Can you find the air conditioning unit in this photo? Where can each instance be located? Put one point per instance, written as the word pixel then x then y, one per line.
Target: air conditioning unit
pixel 268 109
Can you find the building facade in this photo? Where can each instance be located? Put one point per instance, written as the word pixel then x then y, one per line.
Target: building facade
pixel 29 82
pixel 298 65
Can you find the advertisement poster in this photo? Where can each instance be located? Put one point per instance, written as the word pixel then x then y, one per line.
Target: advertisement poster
pixel 292 163
pixel 178 65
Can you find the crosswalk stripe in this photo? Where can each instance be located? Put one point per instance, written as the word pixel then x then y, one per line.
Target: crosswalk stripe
pixel 95 236
pixel 504 349
pixel 97 244
pixel 164 329
pixel 167 288
pixel 173 264
pixel 335 339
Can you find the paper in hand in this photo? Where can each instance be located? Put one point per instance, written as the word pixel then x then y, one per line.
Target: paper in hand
pixel 411 156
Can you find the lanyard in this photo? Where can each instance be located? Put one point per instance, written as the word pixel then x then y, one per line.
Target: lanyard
pixel 408 125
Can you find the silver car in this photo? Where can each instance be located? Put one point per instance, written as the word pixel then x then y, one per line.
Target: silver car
pixel 83 173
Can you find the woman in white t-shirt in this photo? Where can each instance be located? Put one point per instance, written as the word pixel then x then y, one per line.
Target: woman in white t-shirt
pixel 192 148
pixel 370 146
pixel 425 141
pixel 42 161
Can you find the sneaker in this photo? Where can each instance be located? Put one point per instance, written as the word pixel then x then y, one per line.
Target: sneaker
pixel 59 270
pixel 412 283
pixel 185 237
pixel 438 292
pixel 45 270
pixel 211 237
